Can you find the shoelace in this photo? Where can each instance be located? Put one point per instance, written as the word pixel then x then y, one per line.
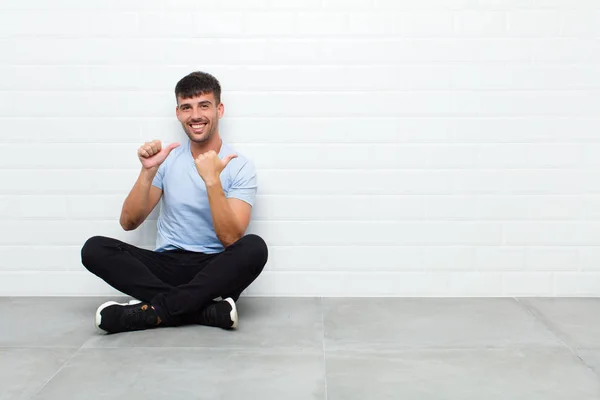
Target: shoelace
pixel 210 314
pixel 135 317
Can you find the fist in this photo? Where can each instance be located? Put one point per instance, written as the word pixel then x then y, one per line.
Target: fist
pixel 152 154
pixel 209 166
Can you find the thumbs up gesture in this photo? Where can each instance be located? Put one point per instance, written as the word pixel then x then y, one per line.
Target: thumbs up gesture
pixel 209 166
pixel 152 154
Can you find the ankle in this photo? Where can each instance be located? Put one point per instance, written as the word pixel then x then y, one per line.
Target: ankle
pixel 158 320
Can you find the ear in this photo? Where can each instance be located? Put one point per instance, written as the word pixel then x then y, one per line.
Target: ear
pixel 220 110
pixel 177 108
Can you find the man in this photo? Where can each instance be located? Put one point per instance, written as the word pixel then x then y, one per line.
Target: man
pixel 202 260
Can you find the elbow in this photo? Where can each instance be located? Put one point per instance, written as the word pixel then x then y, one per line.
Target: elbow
pixel 127 224
pixel 127 227
pixel 230 239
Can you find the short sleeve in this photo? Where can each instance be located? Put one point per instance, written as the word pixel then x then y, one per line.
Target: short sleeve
pixel 244 185
pixel 158 178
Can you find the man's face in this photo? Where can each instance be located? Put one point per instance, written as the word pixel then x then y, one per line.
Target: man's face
pixel 199 116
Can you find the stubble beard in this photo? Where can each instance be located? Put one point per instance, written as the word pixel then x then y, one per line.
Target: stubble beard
pixel 205 138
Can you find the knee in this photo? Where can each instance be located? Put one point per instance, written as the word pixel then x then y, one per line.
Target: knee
pixel 256 250
pixel 92 251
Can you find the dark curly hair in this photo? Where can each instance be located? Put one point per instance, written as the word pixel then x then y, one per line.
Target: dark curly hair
pixel 197 83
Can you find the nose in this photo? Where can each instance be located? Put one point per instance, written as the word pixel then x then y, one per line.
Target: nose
pixel 196 113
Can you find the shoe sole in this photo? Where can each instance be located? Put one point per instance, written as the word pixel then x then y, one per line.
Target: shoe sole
pixel 233 313
pixel 98 319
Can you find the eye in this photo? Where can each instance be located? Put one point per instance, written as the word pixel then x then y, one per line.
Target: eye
pixel 204 105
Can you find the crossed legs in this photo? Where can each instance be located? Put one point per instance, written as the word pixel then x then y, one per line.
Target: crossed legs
pixel 179 284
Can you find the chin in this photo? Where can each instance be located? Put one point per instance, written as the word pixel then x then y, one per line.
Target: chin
pixel 199 138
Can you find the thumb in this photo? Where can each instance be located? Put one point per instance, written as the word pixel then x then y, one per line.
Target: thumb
pixel 228 158
pixel 170 147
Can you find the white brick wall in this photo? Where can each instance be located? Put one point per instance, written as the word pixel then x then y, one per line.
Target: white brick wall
pixel 404 148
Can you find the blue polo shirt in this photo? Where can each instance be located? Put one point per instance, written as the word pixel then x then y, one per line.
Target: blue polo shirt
pixel 185 221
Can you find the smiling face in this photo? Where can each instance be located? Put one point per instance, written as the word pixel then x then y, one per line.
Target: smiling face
pixel 199 116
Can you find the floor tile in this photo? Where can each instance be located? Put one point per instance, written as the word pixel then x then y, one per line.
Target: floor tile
pixel 373 323
pixel 153 373
pixel 47 321
pixel 467 374
pixel 574 319
pixel 24 371
pixel 591 358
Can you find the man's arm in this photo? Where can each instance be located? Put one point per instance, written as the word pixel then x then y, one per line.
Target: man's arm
pixel 141 200
pixel 143 197
pixel 230 216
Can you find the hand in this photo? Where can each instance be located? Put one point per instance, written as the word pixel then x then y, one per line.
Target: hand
pixel 209 166
pixel 151 154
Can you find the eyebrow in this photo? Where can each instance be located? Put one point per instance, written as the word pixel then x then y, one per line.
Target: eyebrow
pixel 201 103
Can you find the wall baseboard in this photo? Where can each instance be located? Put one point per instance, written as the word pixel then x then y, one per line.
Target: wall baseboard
pixel 339 284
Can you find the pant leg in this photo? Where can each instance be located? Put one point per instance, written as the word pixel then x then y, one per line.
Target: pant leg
pixel 227 274
pixel 140 273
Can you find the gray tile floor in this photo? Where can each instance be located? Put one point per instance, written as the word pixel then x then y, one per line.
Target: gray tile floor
pixel 310 348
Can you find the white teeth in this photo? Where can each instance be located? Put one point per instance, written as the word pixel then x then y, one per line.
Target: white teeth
pixel 198 126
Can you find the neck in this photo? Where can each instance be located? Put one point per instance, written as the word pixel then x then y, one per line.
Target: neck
pixel 213 144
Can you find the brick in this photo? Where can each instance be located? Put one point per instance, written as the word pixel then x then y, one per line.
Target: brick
pixel 423 5
pixel 271 23
pixel 552 258
pixel 321 23
pixel 33 207
pixel 425 24
pixel 475 284
pixel 166 24
pixel 348 4
pixel 95 207
pixel 551 233
pixel 534 23
pixel 480 23
pixel 294 5
pixel 589 258
pixel 33 24
pixel 450 207
pixel 374 23
pixel 533 208
pixel 528 284
pixel 29 258
pixel 216 24
pixel 524 155
pixel 448 258
pixel 36 78
pixel 499 258
pixel 576 284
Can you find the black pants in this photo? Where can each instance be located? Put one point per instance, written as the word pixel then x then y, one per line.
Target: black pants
pixel 177 283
